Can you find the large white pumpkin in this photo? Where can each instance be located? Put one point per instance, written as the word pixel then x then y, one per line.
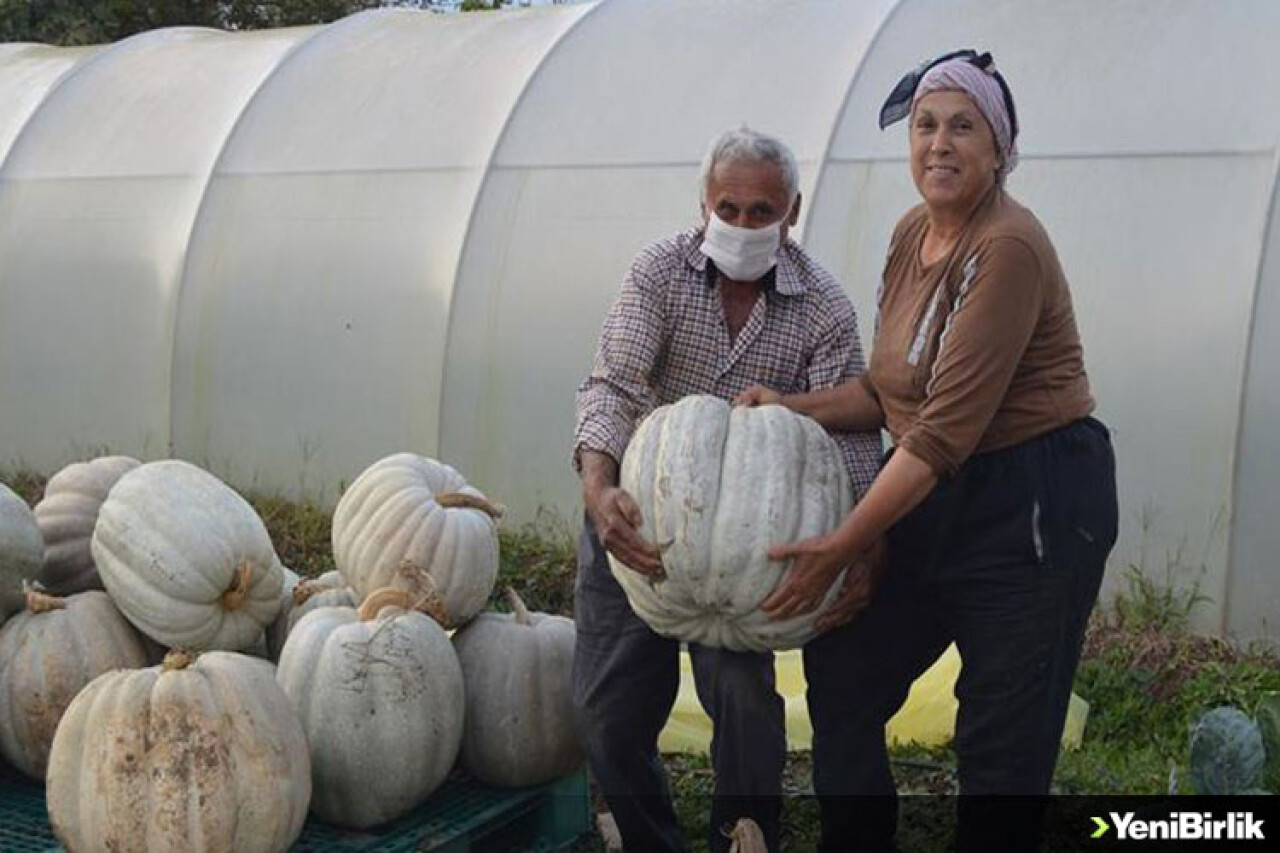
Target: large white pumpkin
pixel 410 509
pixel 379 692
pixel 66 515
pixel 186 559
pixel 518 669
pixel 48 653
pixel 718 486
pixel 21 550
pixel 187 757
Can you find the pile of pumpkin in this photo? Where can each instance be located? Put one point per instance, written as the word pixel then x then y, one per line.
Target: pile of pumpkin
pixel 364 713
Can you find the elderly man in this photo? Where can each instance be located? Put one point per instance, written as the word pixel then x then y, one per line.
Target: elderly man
pixel 711 310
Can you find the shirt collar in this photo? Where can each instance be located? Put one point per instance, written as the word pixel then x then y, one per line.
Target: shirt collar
pixel 783 278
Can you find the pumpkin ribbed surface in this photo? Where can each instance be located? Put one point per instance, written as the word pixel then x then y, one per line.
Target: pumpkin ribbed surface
pixel 328 590
pixel 66 515
pixel 48 653
pixel 188 757
pixel 186 559
pixel 717 487
pixel 381 702
pixel 410 509
pixel 343 596
pixel 517 669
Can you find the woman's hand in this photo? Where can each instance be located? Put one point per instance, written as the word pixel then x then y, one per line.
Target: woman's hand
pixel 817 562
pixel 860 584
pixel 757 395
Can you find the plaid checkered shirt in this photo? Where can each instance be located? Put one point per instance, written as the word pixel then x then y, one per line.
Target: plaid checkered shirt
pixel 665 338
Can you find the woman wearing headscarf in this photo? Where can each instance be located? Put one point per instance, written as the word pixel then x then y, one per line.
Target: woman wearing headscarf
pixel 997 502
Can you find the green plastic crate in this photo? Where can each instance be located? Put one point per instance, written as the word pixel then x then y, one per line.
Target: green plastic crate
pixel 464 816
pixel 24 823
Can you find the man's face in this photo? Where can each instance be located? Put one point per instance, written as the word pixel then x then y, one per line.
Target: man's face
pixel 749 195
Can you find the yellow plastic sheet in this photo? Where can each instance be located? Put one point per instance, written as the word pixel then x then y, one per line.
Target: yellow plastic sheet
pixel 928 717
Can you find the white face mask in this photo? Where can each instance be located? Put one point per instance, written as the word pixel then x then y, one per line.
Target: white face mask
pixel 743 254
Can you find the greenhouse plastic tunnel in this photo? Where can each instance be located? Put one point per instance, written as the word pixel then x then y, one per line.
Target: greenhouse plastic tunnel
pixel 285 254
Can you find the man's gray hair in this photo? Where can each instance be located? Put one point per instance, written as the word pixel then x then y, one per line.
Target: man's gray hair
pixel 742 144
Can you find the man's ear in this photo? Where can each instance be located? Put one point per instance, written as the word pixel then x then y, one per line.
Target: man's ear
pixel 794 216
pixel 702 211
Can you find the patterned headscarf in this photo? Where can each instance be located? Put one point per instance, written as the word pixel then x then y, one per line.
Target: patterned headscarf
pixel 981 87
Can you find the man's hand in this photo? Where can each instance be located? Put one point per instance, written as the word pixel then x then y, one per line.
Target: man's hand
pixel 617 520
pixel 860 583
pixel 817 562
pixel 757 395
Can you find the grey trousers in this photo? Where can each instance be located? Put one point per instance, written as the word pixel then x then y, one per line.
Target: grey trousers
pixel 625 679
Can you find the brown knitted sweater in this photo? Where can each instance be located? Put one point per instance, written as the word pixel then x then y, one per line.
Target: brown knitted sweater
pixel 979 350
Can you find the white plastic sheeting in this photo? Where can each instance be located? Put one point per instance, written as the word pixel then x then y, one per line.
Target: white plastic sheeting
pixel 284 255
pixel 1154 184
pixel 30 70
pixel 98 192
pixel 602 156
pixel 314 320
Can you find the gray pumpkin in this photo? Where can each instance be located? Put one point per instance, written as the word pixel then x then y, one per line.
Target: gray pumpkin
pixel 195 755
pixel 48 653
pixel 411 510
pixel 186 559
pixel 380 696
pixel 21 550
pixel 66 516
pixel 516 667
pixel 721 484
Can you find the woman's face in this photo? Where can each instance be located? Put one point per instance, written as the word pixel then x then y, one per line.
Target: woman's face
pixel 953 153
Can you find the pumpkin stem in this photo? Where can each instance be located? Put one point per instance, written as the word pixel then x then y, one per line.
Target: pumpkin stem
pixel 178 659
pixel 449 500
pixel 517 606
pixel 385 597
pixel 234 597
pixel 41 602
pixel 432 605
pixel 308 588
pixel 423 594
pixel 422 597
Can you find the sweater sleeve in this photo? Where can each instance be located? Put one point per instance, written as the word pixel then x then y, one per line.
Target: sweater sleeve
pixel 993 317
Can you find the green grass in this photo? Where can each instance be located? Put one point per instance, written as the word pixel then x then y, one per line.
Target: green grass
pixel 538 563
pixel 28 486
pixel 300 533
pixel 1146 688
pixel 1145 676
